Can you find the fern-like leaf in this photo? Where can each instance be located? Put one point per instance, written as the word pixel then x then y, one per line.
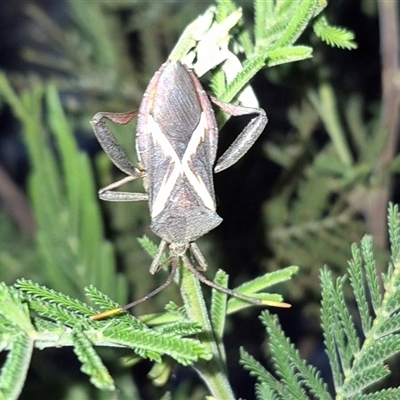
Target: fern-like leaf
pixel 394 232
pixel 105 303
pixel 371 276
pixel 329 323
pixel 262 10
pixel 334 36
pixel 257 370
pixel 358 359
pixel 173 314
pixel 357 281
pixel 389 326
pixel 264 392
pixel 250 68
pixel 39 296
pixel 181 328
pixel 100 299
pixel 148 245
pixel 174 309
pixel 288 54
pixel 218 305
pixel 91 362
pixel 218 83
pixel 358 364
pixel 252 287
pixel 384 394
pixel 296 24
pixel 363 380
pixel 185 351
pixel 13 313
pixel 297 378
pixel 379 351
pixel 290 360
pixel 14 370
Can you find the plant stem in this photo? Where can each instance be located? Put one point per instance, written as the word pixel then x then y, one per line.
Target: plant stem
pixel 213 372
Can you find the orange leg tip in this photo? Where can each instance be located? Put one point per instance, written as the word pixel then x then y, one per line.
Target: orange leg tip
pixel 106 314
pixel 276 304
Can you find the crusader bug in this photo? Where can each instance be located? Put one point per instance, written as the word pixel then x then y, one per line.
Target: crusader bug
pixel 176 144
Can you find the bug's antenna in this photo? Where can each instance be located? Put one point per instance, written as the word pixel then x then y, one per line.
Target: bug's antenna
pixel 118 310
pixel 228 291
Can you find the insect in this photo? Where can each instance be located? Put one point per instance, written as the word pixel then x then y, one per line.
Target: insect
pixel 176 144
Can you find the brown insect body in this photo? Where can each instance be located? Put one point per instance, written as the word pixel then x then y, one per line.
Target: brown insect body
pixel 176 143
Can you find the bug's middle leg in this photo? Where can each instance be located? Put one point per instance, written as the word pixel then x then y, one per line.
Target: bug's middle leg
pixel 106 193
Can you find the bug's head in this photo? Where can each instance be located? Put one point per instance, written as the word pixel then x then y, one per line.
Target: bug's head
pixel 178 249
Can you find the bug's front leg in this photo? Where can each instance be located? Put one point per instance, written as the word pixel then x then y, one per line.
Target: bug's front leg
pixel 108 142
pixel 156 264
pixel 246 138
pixel 117 155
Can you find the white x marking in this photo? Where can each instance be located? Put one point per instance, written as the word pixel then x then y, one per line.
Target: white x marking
pixel 180 167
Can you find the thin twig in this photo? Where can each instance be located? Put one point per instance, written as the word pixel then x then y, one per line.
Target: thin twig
pixel 376 208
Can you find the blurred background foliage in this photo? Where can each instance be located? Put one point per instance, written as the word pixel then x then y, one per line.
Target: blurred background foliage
pixel 320 176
